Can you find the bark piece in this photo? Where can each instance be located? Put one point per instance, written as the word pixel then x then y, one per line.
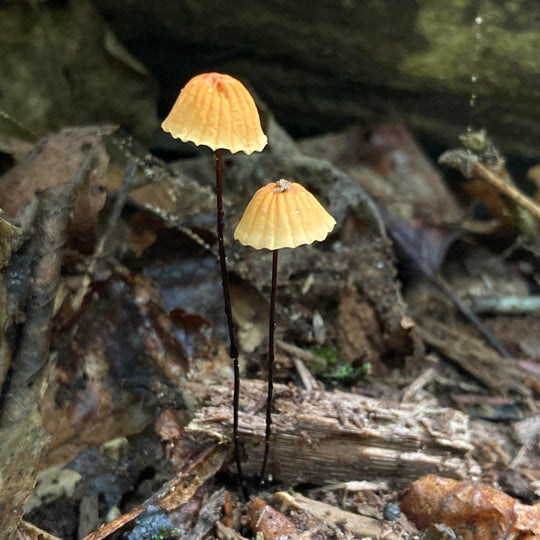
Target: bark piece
pixel 333 437
pixel 473 356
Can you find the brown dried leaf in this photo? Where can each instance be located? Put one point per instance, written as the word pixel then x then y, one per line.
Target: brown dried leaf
pixel 475 511
pixel 419 211
pixel 180 447
pixel 54 161
pixel 270 522
pixel 112 354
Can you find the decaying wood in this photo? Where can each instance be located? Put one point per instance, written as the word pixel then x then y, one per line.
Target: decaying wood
pixel 472 355
pixel 226 533
pixel 336 518
pixel 34 533
pixel 320 437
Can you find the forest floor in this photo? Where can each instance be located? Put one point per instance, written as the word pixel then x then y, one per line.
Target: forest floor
pixel 407 353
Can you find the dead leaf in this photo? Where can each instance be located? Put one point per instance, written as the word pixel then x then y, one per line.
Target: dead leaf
pixel 54 161
pixel 475 511
pixel 273 524
pixel 113 353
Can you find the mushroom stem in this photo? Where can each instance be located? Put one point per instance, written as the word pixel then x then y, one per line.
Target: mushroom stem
pixel 271 340
pixel 233 351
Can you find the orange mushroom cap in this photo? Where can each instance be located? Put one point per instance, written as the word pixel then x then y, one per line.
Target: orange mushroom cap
pixel 283 214
pixel 216 110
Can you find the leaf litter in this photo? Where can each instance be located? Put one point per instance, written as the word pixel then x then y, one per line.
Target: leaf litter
pixel 129 387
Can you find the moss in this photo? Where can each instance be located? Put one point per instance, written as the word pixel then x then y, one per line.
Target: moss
pixel 335 369
pixel 166 533
pixel 458 48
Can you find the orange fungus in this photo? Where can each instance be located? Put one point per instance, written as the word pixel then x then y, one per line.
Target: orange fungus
pixel 283 214
pixel 216 110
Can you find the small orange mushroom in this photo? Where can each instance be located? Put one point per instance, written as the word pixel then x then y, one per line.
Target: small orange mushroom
pixel 280 214
pixel 283 214
pixel 216 110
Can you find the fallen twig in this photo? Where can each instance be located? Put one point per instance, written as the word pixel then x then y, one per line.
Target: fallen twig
pixel 469 165
pixel 174 493
pixel 506 305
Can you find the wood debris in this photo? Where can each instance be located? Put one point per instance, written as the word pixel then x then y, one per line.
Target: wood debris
pixel 471 354
pixel 337 519
pixel 337 436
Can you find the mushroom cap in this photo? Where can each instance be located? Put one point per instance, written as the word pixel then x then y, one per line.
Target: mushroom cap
pixel 283 214
pixel 216 110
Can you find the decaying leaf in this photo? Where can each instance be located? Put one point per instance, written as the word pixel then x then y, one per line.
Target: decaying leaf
pixel 474 511
pixel 421 214
pixel 54 161
pixel 269 521
pixel 114 352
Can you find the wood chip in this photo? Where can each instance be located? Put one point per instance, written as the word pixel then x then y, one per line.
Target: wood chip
pixel 332 516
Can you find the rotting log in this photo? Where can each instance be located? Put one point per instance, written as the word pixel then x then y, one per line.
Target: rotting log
pixel 320 437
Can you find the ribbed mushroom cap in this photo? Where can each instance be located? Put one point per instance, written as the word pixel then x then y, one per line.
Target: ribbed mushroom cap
pixel 283 214
pixel 216 110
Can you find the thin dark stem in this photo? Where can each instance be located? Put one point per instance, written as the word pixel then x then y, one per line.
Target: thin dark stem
pixel 233 351
pixel 484 331
pixel 271 340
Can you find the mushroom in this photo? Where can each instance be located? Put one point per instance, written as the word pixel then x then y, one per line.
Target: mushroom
pixel 216 110
pixel 281 214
